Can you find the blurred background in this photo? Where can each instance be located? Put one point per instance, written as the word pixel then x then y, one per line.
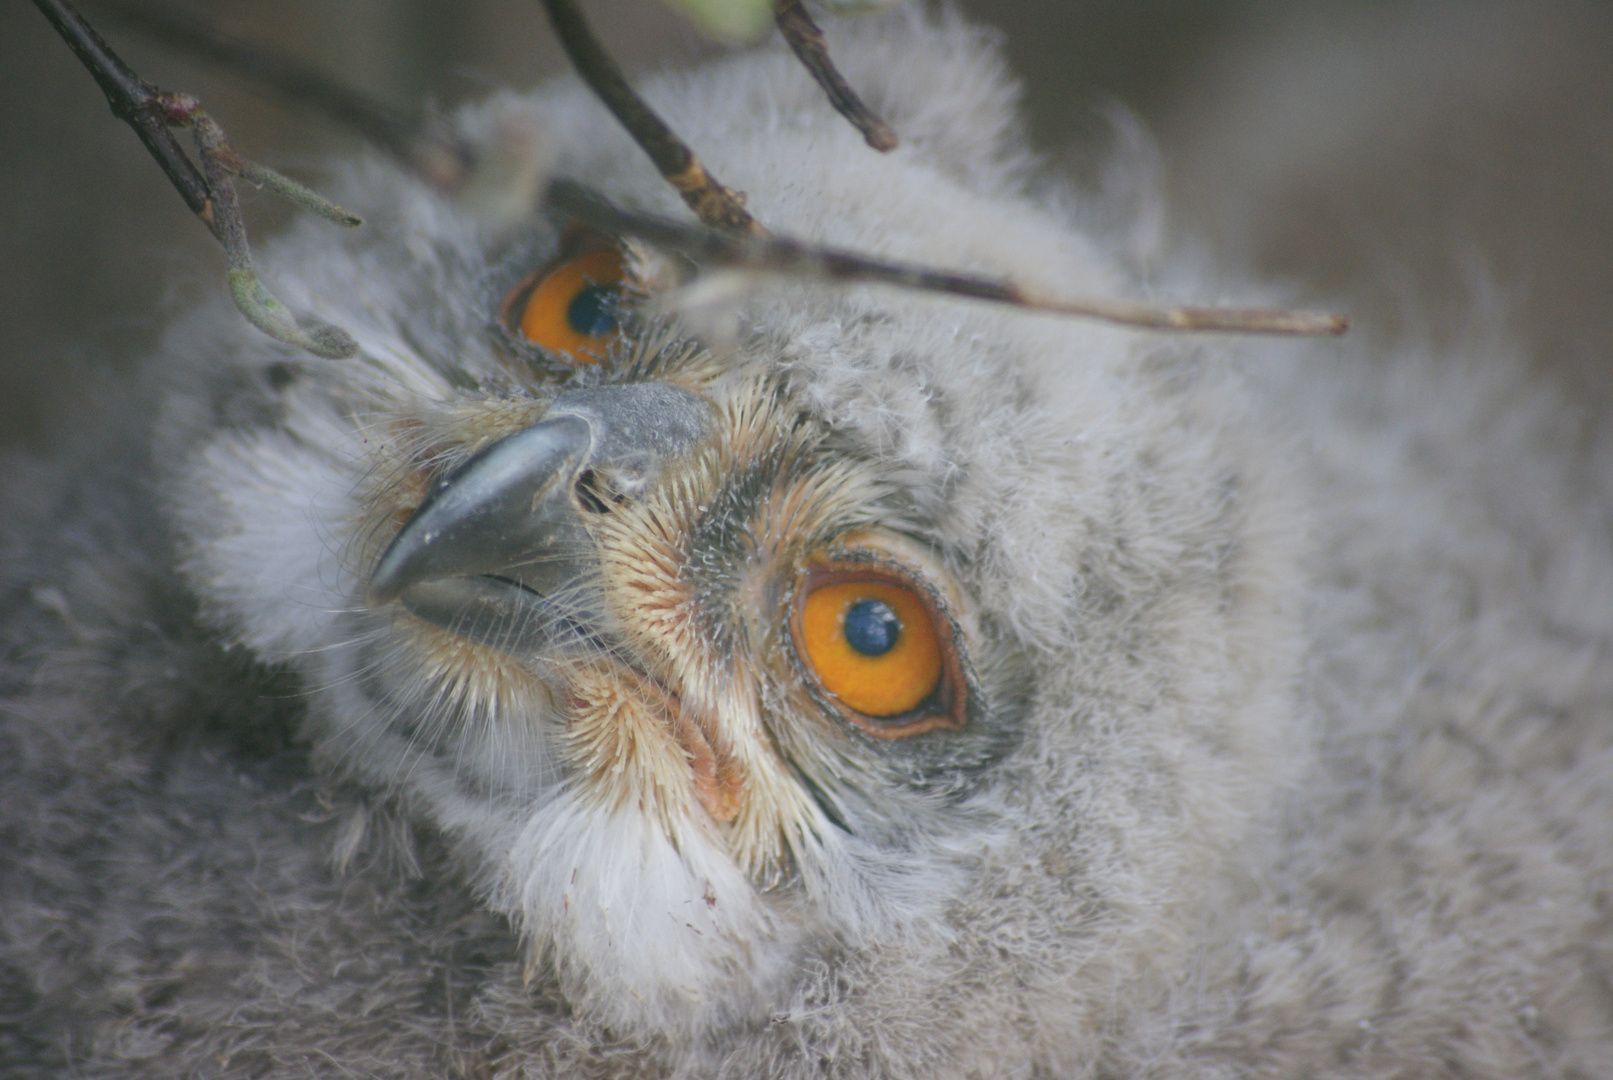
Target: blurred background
pixel 1394 158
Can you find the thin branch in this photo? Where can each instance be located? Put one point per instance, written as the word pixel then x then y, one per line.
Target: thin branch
pixel 131 99
pixel 781 254
pixel 425 148
pixel 210 191
pixel 806 40
pixel 717 206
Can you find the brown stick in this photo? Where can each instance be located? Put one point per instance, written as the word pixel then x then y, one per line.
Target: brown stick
pixel 714 204
pixel 133 100
pixel 782 254
pixel 806 40
pixel 210 191
pixel 425 148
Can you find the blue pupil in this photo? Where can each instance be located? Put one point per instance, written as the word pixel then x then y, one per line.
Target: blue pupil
pixel 872 628
pixel 593 311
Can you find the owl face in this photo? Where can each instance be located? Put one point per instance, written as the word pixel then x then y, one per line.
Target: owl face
pixel 701 643
pixel 827 629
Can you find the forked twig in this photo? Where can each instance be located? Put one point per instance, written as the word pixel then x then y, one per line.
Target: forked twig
pixel 427 149
pixel 782 254
pixel 724 240
pixel 209 192
pixel 131 100
pixel 717 206
pixel 806 40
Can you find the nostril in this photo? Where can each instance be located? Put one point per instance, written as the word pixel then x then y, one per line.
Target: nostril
pixel 594 494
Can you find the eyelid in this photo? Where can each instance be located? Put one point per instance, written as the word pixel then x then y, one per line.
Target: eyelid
pixel 947 707
pixel 546 334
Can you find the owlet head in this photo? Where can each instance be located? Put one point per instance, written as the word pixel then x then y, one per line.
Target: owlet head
pixel 849 637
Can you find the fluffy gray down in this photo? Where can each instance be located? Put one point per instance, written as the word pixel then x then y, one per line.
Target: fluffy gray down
pixel 1295 756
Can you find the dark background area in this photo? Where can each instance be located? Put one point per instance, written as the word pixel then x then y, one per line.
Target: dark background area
pixel 1395 157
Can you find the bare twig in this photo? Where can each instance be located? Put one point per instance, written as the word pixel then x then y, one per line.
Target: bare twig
pixel 806 40
pixel 426 148
pixel 131 99
pixel 714 204
pixel 781 254
pixel 261 307
pixel 211 196
pixel 210 192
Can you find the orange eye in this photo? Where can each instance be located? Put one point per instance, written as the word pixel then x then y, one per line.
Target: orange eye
pixel 872 644
pixel 574 309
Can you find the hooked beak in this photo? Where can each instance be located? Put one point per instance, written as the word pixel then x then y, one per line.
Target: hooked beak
pixel 498 551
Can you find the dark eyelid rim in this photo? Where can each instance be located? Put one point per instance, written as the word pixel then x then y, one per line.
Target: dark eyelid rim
pixel 575 241
pixel 947 708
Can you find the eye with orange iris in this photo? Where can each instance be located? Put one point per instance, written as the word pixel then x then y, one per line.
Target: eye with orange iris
pixel 573 310
pixel 880 650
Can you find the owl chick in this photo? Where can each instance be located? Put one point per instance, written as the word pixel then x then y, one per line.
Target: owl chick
pixel 844 684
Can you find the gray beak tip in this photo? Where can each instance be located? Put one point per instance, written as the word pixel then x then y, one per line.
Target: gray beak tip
pixel 392 576
pixel 380 595
pixel 510 511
